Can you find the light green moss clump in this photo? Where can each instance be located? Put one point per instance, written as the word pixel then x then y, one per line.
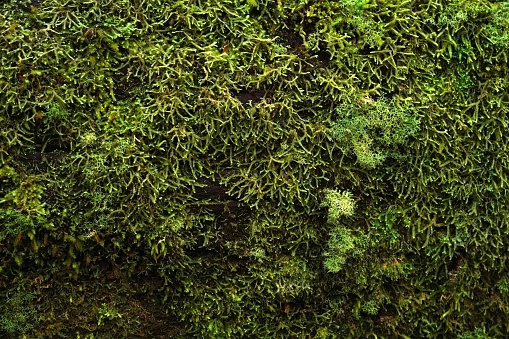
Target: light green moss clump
pixel 371 129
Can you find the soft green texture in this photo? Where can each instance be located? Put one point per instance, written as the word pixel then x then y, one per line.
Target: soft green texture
pixel 218 148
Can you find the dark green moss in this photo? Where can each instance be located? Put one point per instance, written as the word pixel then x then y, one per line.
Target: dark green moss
pixel 198 143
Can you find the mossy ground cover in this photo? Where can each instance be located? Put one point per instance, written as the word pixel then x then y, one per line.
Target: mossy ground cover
pixel 114 306
pixel 258 169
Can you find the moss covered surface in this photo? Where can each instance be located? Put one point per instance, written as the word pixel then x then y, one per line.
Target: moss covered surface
pixel 258 169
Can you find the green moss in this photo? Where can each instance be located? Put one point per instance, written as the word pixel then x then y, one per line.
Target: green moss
pixel 230 150
pixel 369 128
pixel 17 315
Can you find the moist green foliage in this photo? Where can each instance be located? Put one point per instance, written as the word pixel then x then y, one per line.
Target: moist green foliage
pixel 369 128
pixel 288 169
pixel 17 314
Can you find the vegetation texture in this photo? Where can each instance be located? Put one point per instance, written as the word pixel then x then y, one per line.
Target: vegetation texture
pixel 254 169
